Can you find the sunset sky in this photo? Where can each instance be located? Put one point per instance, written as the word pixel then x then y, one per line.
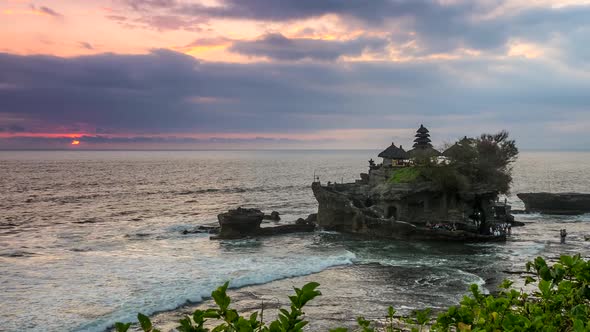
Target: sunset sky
pixel 291 73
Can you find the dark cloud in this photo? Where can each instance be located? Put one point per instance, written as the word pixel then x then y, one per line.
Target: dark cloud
pixel 86 45
pixel 46 10
pixel 117 18
pixel 437 27
pixel 432 26
pixel 141 4
pixel 281 10
pixel 277 46
pixel 16 129
pixel 170 93
pixel 171 22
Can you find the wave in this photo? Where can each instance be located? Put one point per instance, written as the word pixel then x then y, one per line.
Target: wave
pixel 66 199
pixel 246 271
pixel 17 253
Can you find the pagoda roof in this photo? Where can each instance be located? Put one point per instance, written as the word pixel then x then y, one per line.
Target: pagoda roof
pixel 422 140
pixel 422 130
pixel 393 152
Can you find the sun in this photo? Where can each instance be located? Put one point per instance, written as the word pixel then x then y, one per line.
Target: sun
pixel 75 142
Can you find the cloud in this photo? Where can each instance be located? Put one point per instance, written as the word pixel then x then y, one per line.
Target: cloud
pixel 86 45
pixel 16 129
pixel 433 26
pixel 46 11
pixel 169 93
pixel 277 46
pixel 171 22
pixel 141 4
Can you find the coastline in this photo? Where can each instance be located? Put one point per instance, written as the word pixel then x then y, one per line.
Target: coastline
pixel 368 288
pixel 348 291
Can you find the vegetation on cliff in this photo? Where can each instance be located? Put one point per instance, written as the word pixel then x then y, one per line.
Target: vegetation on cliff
pixel 406 175
pixel 470 162
pixel 561 303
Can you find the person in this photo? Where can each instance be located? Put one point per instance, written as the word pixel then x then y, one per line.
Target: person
pixel 509 230
pixel 562 234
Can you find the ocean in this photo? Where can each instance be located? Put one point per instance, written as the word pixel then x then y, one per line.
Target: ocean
pixel 88 238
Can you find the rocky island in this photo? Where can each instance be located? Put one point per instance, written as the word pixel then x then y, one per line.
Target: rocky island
pixel 425 194
pixel 556 203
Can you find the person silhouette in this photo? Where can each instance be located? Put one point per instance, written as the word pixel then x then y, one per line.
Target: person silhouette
pixel 562 235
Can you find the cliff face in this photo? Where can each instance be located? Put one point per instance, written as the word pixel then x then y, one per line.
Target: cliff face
pixel 375 207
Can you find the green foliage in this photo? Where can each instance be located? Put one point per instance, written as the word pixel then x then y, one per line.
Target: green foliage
pixel 561 303
pixel 485 160
pixel 122 327
pixel 405 175
pixel 446 177
pixel 231 321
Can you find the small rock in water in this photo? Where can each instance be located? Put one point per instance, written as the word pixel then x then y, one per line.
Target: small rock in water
pixel 274 216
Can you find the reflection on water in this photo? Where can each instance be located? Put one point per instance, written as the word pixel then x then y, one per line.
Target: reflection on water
pixel 87 238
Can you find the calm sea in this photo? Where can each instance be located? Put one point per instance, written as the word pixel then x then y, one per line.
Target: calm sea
pixel 90 238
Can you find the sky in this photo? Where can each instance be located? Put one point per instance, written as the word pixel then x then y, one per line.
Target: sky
pixel 313 74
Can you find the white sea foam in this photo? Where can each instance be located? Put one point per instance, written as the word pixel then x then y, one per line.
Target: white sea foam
pixel 240 270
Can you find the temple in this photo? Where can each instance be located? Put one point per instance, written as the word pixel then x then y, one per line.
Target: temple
pixel 394 156
pixel 396 199
pixel 422 145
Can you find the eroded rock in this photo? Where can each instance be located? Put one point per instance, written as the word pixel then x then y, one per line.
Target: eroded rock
pixel 556 203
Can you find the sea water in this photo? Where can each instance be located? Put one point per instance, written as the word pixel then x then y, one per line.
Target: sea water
pixel 88 238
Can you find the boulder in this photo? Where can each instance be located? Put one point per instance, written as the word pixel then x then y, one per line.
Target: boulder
pixel 240 222
pixel 312 218
pixel 556 203
pixel 274 216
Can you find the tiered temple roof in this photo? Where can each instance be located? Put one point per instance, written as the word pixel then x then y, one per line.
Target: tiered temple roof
pixel 422 145
pixel 394 153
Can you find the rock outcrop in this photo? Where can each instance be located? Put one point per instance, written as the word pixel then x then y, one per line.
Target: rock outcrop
pixel 274 216
pixel 410 211
pixel 240 223
pixel 556 203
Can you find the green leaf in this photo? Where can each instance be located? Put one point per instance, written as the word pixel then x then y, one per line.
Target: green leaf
pixel 529 280
pixel 299 326
pixel 144 322
pixel 545 287
pixel 390 312
pixel 254 316
pixel 579 326
pixel 275 327
pixel 231 316
pixel 220 297
pixel 211 313
pixel 122 327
